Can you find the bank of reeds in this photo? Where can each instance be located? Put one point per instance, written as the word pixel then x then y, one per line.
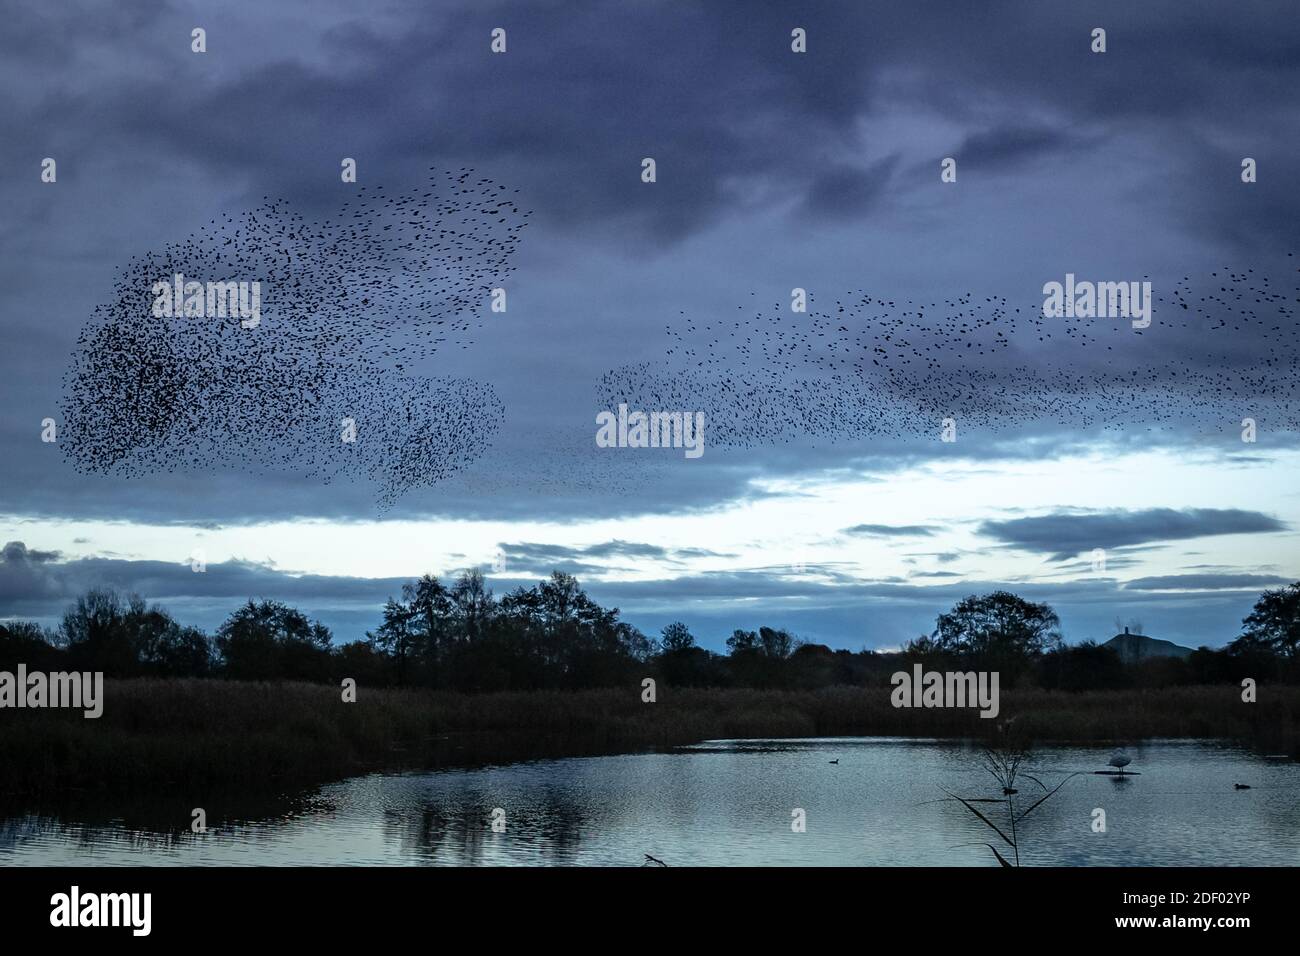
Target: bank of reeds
pixel 162 734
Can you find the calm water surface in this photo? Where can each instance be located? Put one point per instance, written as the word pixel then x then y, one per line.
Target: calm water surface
pixel 727 803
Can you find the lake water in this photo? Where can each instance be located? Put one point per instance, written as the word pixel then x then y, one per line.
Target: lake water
pixel 728 803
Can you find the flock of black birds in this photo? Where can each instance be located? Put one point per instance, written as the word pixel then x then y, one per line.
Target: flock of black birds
pixel 322 384
pixel 352 303
pixel 1215 352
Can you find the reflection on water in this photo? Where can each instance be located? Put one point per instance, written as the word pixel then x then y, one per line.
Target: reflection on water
pixel 721 803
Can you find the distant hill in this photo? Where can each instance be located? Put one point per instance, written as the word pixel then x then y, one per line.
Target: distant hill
pixel 1133 648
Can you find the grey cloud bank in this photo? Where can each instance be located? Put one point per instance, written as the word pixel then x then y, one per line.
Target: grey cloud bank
pixel 822 604
pixel 1065 535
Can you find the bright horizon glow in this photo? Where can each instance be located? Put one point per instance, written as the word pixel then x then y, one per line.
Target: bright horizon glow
pixel 793 522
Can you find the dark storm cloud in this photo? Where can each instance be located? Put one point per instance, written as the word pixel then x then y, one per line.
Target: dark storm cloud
pixel 17 553
pixel 495 488
pixel 849 192
pixel 26 576
pixel 39 583
pixel 34 581
pixel 703 91
pixel 1008 145
pixel 1244 219
pixel 1064 535
pixel 605 87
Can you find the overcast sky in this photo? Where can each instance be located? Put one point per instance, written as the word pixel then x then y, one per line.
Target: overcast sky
pixel 775 170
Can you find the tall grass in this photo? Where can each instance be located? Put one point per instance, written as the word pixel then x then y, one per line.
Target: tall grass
pixel 1004 758
pixel 204 733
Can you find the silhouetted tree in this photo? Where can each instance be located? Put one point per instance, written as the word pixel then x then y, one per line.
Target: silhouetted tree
pixel 432 618
pixel 97 634
pixel 175 650
pixel 742 642
pixel 554 635
pixel 812 665
pixel 473 603
pixel 682 662
pixel 1086 666
pixel 1209 666
pixel 676 637
pixel 267 640
pixel 126 637
pixel 396 636
pixel 776 644
pixel 361 661
pixel 1001 629
pixel 1274 623
pixel 25 642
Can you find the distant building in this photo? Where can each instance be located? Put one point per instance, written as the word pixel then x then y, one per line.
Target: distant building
pixel 1135 648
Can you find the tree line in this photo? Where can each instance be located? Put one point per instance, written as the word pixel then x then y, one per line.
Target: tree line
pixel 553 635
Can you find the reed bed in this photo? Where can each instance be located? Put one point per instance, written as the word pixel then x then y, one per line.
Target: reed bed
pixel 194 733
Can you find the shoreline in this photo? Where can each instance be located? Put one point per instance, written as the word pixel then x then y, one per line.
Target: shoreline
pixel 200 735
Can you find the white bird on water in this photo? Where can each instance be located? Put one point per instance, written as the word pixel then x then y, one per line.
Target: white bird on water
pixel 1120 759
